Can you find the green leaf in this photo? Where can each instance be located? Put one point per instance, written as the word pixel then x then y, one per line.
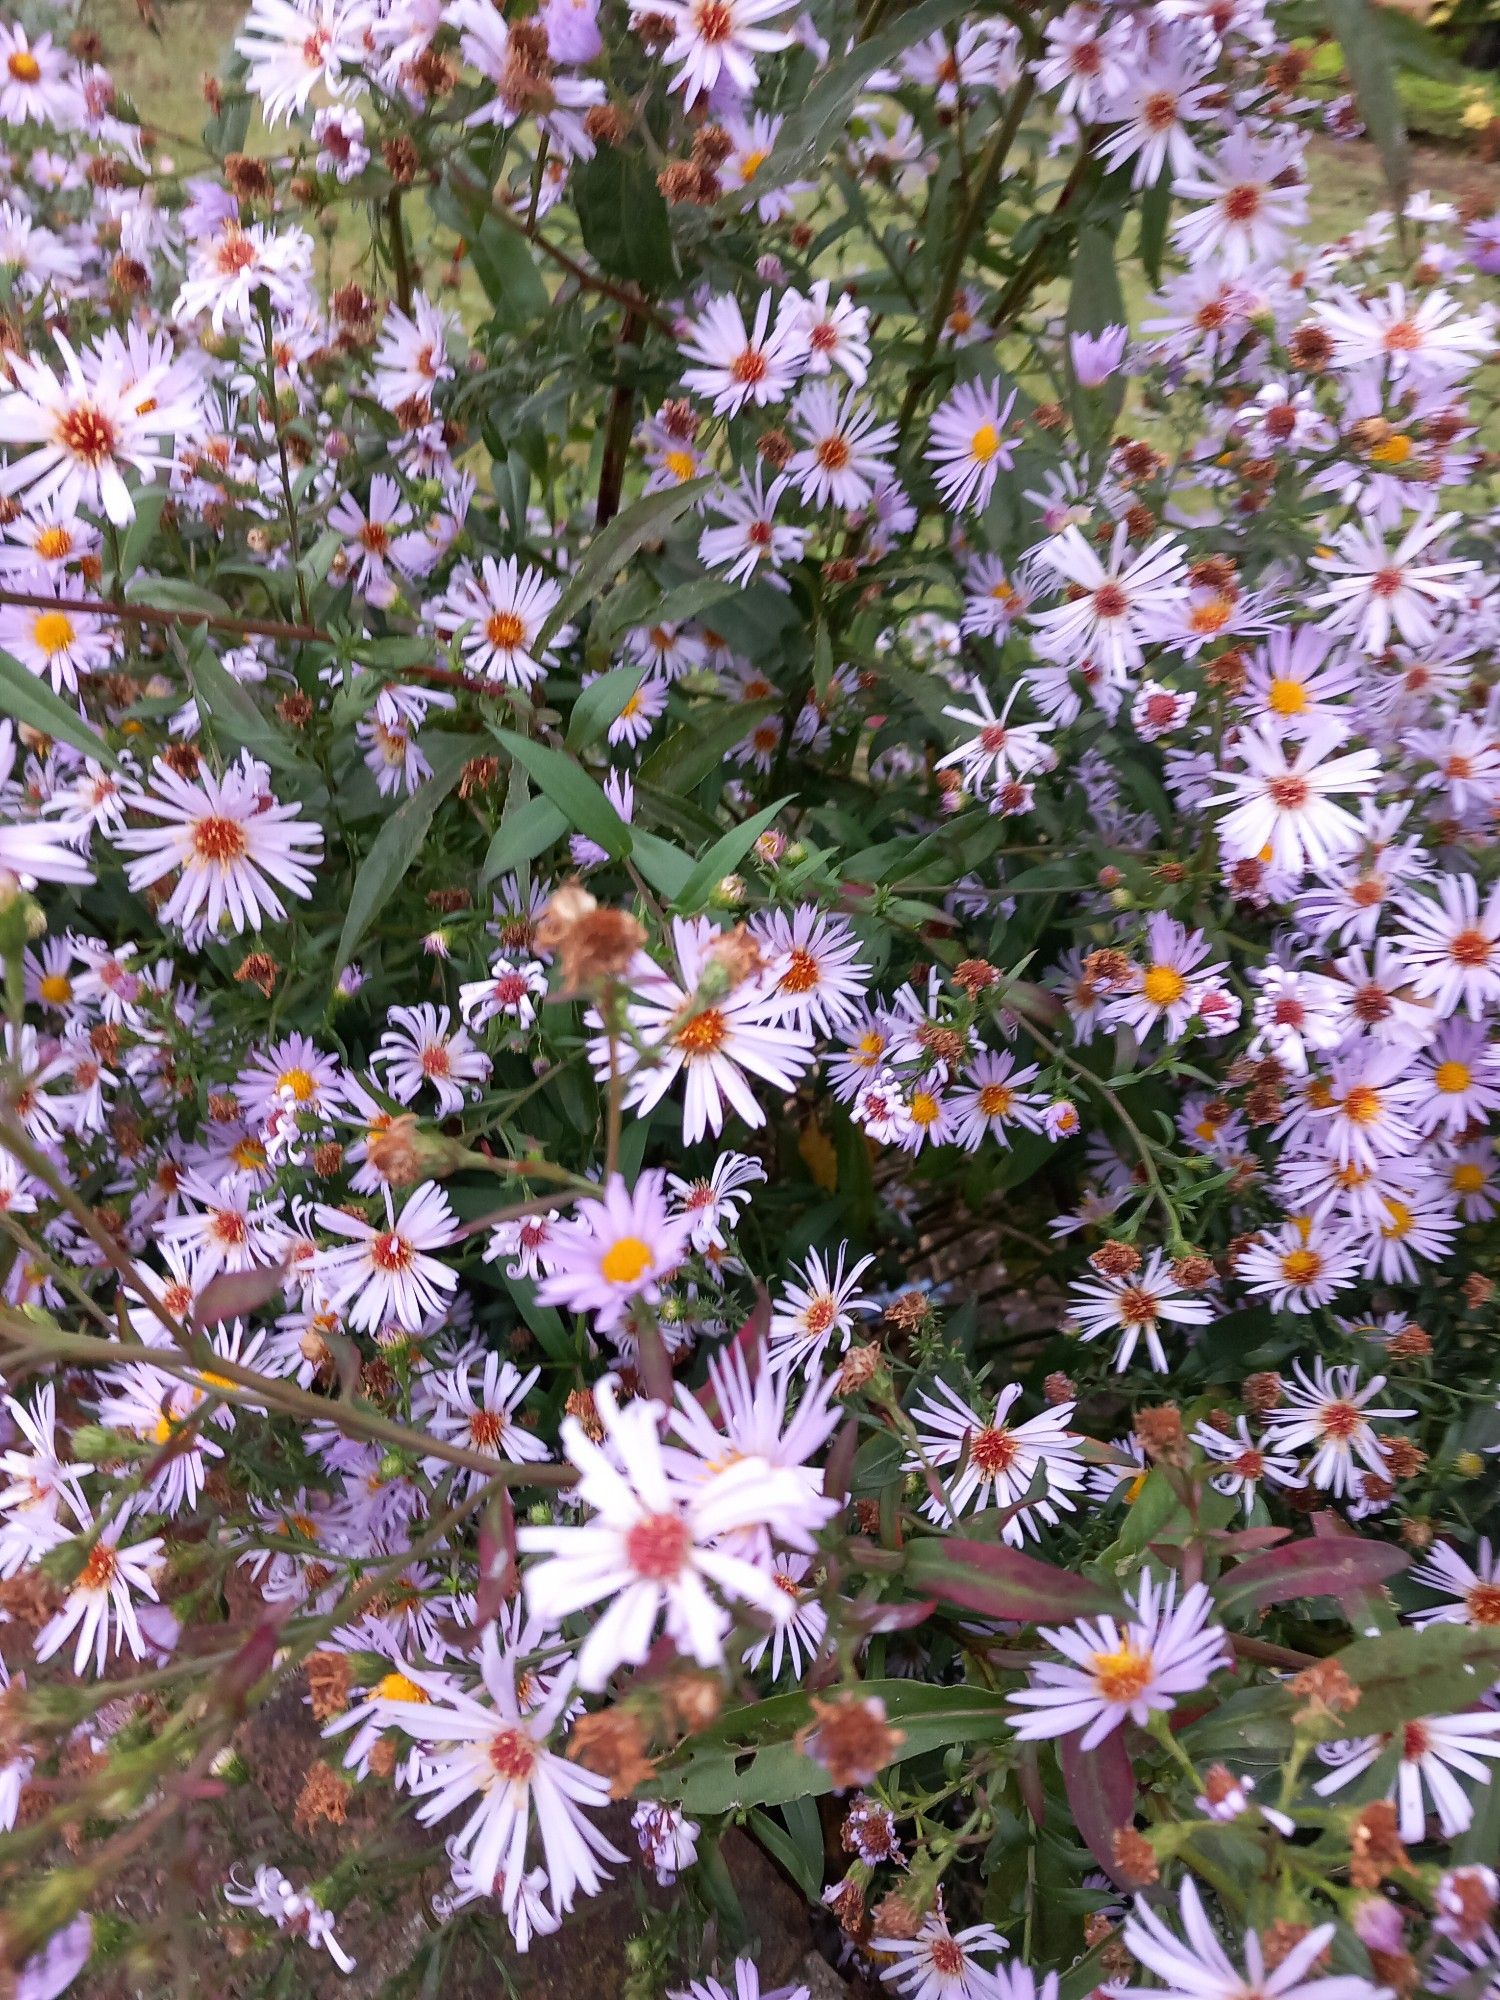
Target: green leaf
pixel 235 714
pixel 500 255
pixel 647 520
pixel 691 752
pixel 1367 57
pixel 1156 210
pixel 776 1840
pixel 29 699
pixel 1094 303
pixel 396 846
pixel 174 593
pixel 141 534
pixel 815 128
pixel 664 866
pixel 571 790
pixel 749 1757
pixel 522 835
pixel 626 228
pixel 601 703
pixel 822 660
pixel 726 854
pixel 1403 1675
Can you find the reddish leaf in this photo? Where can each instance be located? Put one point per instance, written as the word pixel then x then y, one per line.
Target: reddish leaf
pixel 999 1582
pixel 1246 1541
pixel 655 1363
pixel 235 1294
pixel 1029 1779
pixel 838 1469
pixel 497 1558
pixel 748 1341
pixel 1101 1790
pixel 1341 1566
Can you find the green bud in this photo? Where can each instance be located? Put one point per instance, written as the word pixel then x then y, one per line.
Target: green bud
pixel 728 893
pixel 392 1464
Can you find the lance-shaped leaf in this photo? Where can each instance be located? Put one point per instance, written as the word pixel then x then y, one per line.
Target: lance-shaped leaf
pixel 613 546
pixel 396 847
pixel 30 699
pixel 1404 1675
pixel 237 1294
pixel 571 790
pixel 1101 1791
pixel 1322 1566
pixel 998 1582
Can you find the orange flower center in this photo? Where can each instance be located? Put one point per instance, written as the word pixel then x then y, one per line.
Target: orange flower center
pixel 504 630
pixel 704 1035
pixel 219 840
pixel 1123 1675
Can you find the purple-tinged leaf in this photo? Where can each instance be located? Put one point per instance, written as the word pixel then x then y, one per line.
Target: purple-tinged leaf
pixel 1101 1790
pixel 998 1582
pixel 237 1294
pixel 1341 1566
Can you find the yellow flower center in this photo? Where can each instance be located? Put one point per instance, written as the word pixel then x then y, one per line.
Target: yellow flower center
pixel 626 1261
pixel 298 1081
pixel 1286 697
pixel 55 988
pixel 1452 1077
pixel 53 632
pixel 985 443
pixel 1395 451
pixel 1163 985
pixel 680 464
pixel 1123 1675
pixel 396 1687
pixel 1299 1266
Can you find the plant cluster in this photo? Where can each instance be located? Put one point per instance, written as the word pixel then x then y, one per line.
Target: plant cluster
pixel 752 952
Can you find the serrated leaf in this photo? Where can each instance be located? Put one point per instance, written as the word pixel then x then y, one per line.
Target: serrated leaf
pixel 645 520
pixel 396 846
pixel 726 854
pixel 571 790
pixel 1000 1582
pixel 27 698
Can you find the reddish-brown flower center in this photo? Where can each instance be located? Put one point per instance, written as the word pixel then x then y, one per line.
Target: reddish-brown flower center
pixel 1242 203
pixel 1339 1420
pixel 657 1547
pixel 513 1755
pixel 993 1451
pixel 86 433
pixel 390 1252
